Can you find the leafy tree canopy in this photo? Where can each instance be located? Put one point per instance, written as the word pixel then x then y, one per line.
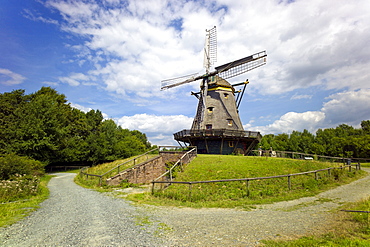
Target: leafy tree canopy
pixel 342 141
pixel 44 127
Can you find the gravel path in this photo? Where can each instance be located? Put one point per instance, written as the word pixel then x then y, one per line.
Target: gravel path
pixel 74 216
pixel 282 220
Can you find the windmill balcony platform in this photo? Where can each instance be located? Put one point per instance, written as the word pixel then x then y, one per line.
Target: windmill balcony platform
pixel 184 135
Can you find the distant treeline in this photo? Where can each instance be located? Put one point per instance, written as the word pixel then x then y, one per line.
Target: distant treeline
pixel 342 141
pixel 44 127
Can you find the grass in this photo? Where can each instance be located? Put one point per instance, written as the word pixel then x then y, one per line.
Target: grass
pixel 13 211
pixel 352 229
pixel 236 194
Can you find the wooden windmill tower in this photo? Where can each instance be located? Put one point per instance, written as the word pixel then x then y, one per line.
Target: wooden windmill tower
pixel 217 128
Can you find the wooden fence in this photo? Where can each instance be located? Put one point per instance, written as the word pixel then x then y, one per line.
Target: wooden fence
pixel 117 169
pixel 247 180
pixel 184 159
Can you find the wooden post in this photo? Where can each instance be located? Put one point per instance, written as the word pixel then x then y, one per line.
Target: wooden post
pixel 289 183
pixel 248 193
pixel 152 188
pixel 316 178
pixel 190 187
pixel 329 172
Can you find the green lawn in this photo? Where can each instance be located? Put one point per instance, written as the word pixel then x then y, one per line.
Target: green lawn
pixel 235 194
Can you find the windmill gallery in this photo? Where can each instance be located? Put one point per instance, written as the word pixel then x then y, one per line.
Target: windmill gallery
pixel 217 128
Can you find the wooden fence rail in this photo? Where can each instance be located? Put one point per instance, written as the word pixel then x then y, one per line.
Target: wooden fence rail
pixel 288 176
pixel 117 168
pixel 184 159
pixel 82 171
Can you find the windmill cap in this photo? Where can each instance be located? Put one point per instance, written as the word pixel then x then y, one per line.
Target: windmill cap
pixel 218 81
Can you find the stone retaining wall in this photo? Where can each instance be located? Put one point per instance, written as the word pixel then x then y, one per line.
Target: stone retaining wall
pixel 147 171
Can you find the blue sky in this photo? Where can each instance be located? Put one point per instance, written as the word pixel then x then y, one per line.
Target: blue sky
pixel 111 55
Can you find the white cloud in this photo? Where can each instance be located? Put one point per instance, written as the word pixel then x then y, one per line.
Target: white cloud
pixel 290 121
pixel 153 123
pixel 301 96
pixel 349 107
pixel 308 43
pixel 159 129
pixel 81 108
pixel 87 109
pixel 74 79
pixel 8 77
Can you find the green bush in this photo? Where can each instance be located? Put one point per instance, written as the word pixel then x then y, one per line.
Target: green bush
pixel 12 165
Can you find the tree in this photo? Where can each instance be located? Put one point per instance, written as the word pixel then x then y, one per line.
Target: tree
pixel 45 127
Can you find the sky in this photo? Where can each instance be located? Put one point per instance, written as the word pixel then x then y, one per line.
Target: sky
pixel 112 55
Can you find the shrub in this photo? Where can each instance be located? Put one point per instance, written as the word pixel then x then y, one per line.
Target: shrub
pixel 12 164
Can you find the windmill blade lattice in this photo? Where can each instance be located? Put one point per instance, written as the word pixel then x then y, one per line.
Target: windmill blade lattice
pixel 210 49
pixel 174 82
pixel 242 66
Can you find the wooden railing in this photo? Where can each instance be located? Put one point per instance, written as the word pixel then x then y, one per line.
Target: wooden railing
pixel 118 167
pixel 298 155
pixel 184 159
pixel 247 180
pixel 218 133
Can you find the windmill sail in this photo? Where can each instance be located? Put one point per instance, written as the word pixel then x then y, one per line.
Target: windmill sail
pixel 165 84
pixel 210 49
pixel 241 66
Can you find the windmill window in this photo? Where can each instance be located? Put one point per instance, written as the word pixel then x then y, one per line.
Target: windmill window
pixel 209 126
pixel 230 122
pixel 231 144
pixel 210 109
pixel 226 95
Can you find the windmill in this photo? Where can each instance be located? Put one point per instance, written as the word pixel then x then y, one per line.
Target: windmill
pixel 217 128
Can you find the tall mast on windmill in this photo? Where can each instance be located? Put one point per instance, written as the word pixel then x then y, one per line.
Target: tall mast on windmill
pixel 216 126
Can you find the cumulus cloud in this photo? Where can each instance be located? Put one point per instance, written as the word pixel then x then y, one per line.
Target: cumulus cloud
pixel 138 43
pixel 159 129
pixel 8 77
pixel 349 107
pixel 133 45
pixel 75 79
pixel 290 121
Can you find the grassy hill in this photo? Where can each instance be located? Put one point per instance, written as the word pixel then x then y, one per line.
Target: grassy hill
pixel 235 194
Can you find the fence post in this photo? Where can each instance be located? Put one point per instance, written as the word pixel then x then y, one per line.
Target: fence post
pixel 248 193
pixel 316 178
pixel 152 188
pixel 190 187
pixel 289 183
pixel 100 179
